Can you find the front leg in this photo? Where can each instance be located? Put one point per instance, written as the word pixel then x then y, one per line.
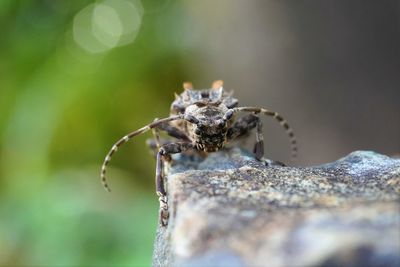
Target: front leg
pixel 170 130
pixel 242 127
pixel 164 153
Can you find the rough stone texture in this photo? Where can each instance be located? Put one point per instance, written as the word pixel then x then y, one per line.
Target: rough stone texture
pixel 230 210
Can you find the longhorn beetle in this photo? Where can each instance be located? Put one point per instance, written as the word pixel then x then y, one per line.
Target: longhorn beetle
pixel 203 121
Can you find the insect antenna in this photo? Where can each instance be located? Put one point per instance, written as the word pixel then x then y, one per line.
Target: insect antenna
pixel 280 119
pixel 125 139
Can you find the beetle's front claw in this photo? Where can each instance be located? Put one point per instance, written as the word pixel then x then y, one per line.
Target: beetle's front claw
pixel 270 163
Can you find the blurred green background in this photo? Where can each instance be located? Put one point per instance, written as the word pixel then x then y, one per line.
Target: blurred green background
pixel 75 76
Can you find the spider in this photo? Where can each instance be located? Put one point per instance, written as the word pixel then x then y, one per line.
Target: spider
pixel 203 121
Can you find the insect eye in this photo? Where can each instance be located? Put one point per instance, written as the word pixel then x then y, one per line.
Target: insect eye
pixel 191 119
pixel 228 115
pixel 197 131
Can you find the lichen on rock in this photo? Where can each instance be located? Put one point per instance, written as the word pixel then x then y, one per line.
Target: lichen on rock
pixel 231 210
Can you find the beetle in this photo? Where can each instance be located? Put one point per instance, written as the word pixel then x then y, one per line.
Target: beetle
pixel 203 121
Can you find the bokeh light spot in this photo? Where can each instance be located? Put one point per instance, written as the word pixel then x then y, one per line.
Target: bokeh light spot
pixel 105 25
pixel 82 31
pixel 130 16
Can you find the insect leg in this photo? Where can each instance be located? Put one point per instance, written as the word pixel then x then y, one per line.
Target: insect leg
pixel 279 118
pixel 243 126
pixel 165 151
pixel 259 145
pixel 172 131
pixel 156 143
pixel 125 139
pixel 156 135
pixel 152 144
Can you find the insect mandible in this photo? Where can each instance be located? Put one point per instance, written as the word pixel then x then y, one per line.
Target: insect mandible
pixel 203 121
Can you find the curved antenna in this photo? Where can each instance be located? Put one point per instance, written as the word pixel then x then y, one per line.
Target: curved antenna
pixel 125 139
pixel 280 119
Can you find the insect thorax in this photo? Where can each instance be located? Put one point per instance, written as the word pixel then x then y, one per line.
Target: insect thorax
pixel 189 97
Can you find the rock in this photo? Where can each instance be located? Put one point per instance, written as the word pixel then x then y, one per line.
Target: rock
pixel 231 210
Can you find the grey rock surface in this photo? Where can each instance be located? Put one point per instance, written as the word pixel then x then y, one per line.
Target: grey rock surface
pixel 231 210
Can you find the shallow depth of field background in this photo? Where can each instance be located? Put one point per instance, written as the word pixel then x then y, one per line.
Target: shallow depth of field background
pixel 77 75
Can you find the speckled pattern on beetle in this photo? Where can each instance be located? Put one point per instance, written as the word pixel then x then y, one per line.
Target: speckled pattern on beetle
pixel 202 121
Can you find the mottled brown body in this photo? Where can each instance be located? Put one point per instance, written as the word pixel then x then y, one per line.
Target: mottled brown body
pixel 203 121
pixel 208 108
